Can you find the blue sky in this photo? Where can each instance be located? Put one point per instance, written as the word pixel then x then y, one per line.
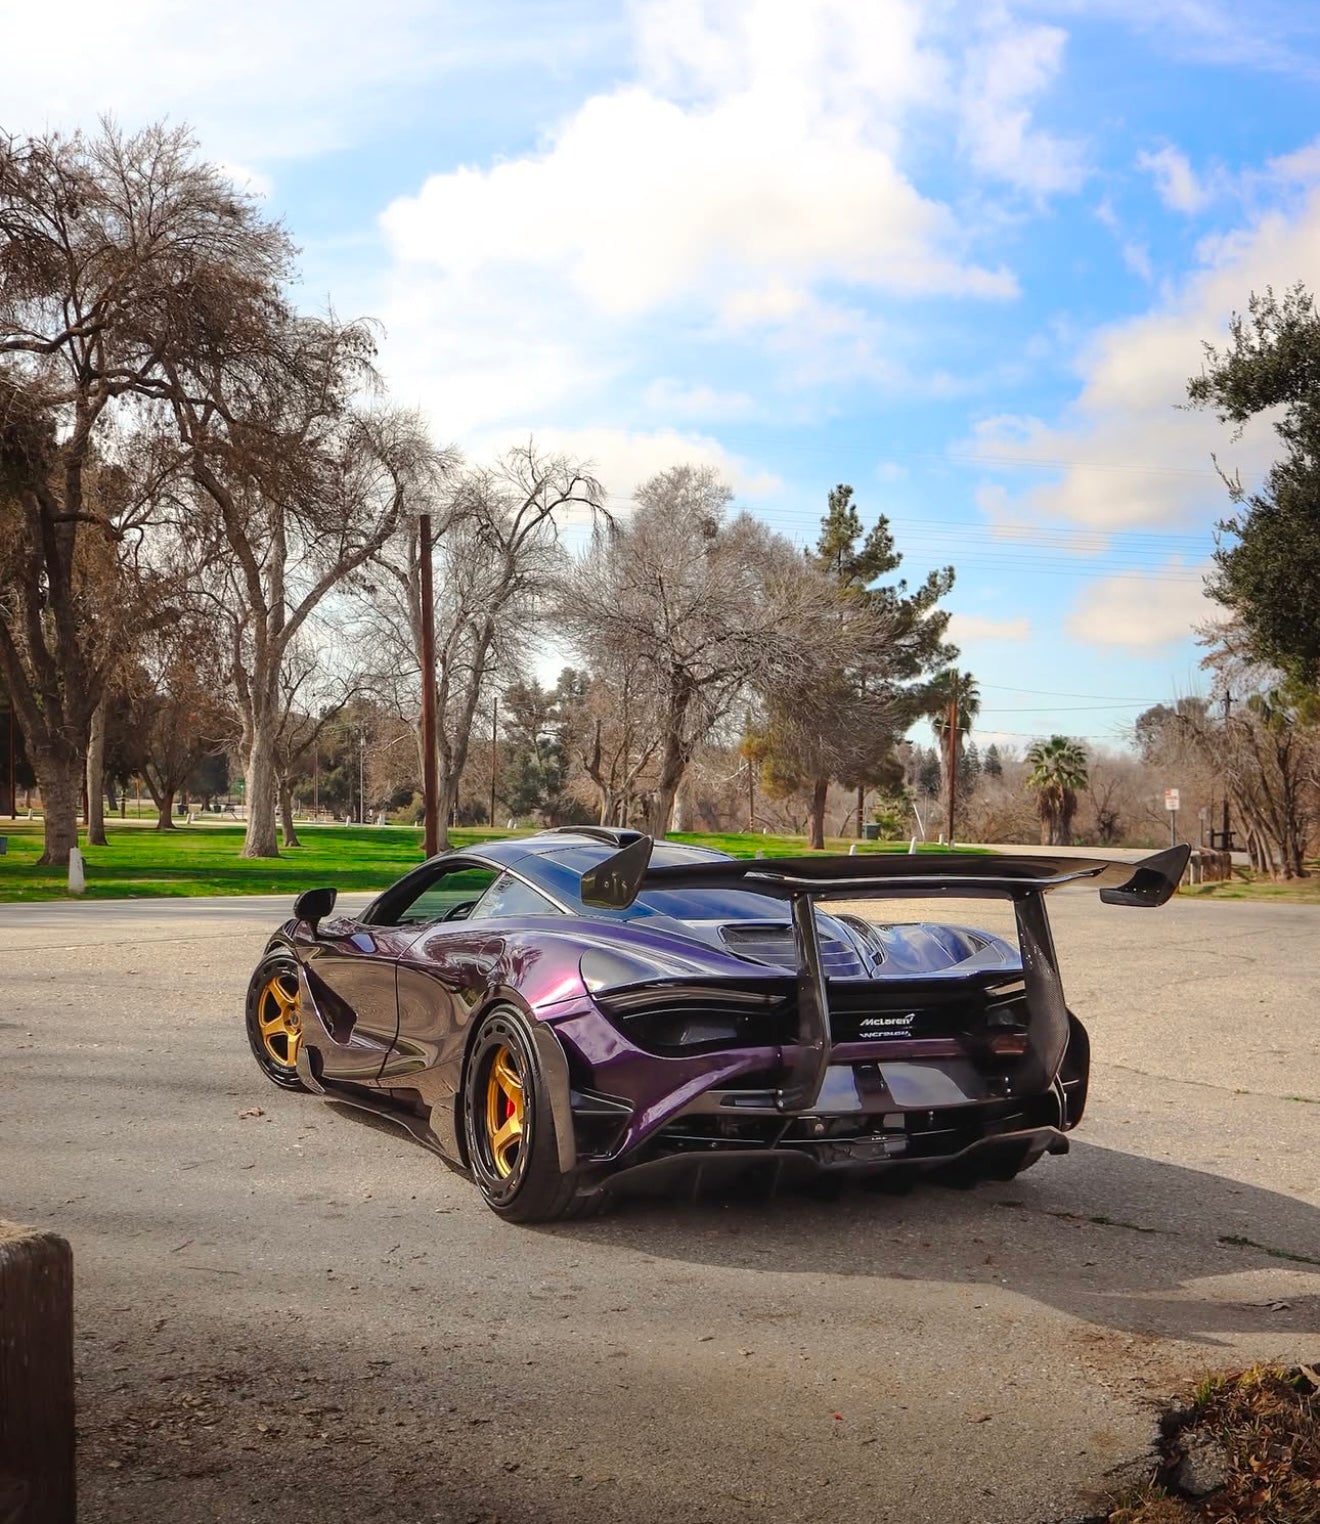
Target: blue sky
pixel 962 256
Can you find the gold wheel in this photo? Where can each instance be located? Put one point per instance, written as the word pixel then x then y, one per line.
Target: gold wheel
pixel 504 1111
pixel 279 1020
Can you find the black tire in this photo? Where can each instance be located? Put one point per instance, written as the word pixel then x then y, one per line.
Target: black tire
pixel 273 1020
pixel 509 1125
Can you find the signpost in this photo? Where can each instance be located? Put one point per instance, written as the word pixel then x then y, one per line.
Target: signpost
pixel 1171 804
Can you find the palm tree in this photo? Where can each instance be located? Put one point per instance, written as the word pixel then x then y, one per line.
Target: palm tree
pixel 941 691
pixel 1058 773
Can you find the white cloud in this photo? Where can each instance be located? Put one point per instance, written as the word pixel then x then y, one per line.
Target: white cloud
pixel 675 399
pixel 640 201
pixel 1144 609
pixel 475 354
pixel 1124 453
pixel 1175 180
pixel 247 179
pixel 1006 71
pixel 623 458
pixel 746 183
pixel 965 627
pixel 1302 165
pixel 1136 256
pixel 258 81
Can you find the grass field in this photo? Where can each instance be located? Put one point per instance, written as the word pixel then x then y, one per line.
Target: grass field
pixel 140 862
pixel 1303 891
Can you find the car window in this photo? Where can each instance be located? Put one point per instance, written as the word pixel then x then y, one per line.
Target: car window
pixel 562 874
pixel 446 895
pixel 510 896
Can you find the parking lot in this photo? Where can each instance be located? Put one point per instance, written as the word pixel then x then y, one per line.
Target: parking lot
pixel 288 1312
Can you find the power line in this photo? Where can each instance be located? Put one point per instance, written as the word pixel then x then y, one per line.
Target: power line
pixel 1051 693
pixel 1060 709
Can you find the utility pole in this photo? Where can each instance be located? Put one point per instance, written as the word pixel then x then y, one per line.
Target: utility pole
pixel 1223 835
pixel 430 787
pixel 952 722
pixel 13 775
pixel 494 753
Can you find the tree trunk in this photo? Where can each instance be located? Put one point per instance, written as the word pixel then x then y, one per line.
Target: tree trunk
pixel 680 818
pixel 59 775
pixel 447 791
pixel 286 816
pixel 260 789
pixel 816 821
pixel 861 809
pixel 672 767
pixel 96 778
pixel 164 800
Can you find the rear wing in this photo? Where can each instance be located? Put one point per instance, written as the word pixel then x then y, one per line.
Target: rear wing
pixel 615 884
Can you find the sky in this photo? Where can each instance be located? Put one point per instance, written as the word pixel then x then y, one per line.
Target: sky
pixel 962 256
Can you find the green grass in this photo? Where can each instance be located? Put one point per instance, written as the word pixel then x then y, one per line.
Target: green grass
pixel 203 859
pixel 1245 885
pixel 749 843
pixel 140 862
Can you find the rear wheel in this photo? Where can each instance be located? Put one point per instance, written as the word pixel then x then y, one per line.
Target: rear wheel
pixel 274 1020
pixel 509 1127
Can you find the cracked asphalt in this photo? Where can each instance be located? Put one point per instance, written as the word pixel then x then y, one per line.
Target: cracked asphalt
pixel 286 1312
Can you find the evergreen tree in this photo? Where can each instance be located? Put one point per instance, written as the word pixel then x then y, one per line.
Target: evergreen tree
pixel 839 721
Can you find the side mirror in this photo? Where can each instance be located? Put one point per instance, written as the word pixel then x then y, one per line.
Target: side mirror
pixel 313 905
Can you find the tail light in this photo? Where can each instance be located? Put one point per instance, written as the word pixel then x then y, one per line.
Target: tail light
pixel 1006 1032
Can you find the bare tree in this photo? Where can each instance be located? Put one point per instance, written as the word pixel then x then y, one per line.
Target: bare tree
pixel 1266 751
pixel 498 549
pixel 180 710
pixel 300 495
pixel 616 737
pixel 700 605
pixel 312 698
pixel 116 254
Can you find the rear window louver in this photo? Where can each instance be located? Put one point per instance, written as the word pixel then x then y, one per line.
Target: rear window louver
pixel 773 943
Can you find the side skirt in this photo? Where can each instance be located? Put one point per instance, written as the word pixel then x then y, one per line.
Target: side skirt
pixel 416 1127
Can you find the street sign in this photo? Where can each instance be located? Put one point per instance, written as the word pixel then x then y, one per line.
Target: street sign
pixel 1171 800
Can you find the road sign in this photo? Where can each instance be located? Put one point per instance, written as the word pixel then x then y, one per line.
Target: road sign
pixel 1171 800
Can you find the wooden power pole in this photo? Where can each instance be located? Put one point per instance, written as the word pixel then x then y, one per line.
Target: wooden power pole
pixel 430 787
pixel 952 722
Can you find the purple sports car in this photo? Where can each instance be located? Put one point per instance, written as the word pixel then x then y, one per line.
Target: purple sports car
pixel 585 1012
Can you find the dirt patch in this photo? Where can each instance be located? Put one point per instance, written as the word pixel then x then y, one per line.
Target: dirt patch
pixel 1245 1449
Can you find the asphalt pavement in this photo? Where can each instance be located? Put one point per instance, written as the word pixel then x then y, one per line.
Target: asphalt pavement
pixel 288 1312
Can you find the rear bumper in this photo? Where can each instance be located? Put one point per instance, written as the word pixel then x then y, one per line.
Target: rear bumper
pixel 999 1156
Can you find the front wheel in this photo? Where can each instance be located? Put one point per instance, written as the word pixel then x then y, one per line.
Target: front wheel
pixel 509 1126
pixel 274 1020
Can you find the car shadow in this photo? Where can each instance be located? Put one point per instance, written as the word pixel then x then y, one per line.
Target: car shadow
pixel 1113 1239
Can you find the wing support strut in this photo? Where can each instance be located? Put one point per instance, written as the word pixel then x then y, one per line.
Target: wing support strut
pixel 813 1011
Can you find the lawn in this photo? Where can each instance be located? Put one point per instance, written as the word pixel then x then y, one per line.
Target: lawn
pixel 1249 886
pixel 140 862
